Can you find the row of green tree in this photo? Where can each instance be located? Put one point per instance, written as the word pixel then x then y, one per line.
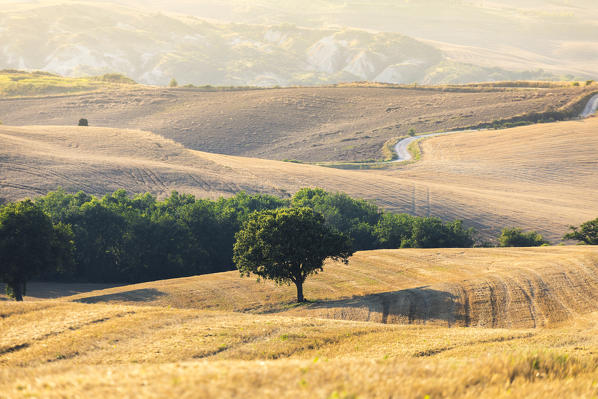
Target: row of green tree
pixel 122 238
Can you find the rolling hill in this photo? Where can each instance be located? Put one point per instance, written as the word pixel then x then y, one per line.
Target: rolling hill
pixel 54 350
pixel 84 38
pixel 269 43
pixel 179 337
pixel 347 123
pixel 497 288
pixel 541 177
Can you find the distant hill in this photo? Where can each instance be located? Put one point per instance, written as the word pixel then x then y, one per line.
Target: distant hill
pixel 311 124
pixel 78 39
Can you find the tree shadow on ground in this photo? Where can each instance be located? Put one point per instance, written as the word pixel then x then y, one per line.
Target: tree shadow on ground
pixel 418 305
pixel 141 295
pixel 53 290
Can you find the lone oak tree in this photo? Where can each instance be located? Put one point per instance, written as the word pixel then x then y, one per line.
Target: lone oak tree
pixel 287 246
pixel 30 244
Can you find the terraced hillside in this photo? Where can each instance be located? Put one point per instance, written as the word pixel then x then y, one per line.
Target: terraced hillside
pixel 307 124
pixel 540 177
pixel 109 346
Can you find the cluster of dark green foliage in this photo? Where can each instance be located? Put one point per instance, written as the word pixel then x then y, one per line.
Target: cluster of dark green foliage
pixel 30 244
pixel 515 237
pixel 119 238
pixel 370 228
pixel 587 233
pixel 83 122
pixel 130 239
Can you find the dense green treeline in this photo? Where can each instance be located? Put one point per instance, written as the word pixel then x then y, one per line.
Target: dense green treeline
pixel 130 239
pixel 122 238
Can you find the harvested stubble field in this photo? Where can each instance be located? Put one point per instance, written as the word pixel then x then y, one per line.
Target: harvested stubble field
pixel 61 348
pixel 542 177
pixel 349 123
pixel 496 287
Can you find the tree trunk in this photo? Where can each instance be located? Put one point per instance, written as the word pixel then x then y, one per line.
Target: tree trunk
pixel 16 290
pixel 300 298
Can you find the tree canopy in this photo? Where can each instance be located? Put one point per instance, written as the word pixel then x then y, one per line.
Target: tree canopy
pixel 587 233
pixel 124 237
pixel 515 237
pixel 288 245
pixel 30 244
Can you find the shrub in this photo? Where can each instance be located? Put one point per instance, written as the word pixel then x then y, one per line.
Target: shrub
pixel 83 122
pixel 432 232
pixel 587 233
pixel 515 237
pixel 173 83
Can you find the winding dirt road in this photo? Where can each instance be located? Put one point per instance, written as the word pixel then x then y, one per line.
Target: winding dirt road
pixel 402 147
pixel 591 107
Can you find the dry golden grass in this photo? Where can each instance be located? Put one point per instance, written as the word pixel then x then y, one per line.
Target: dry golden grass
pixel 501 287
pixel 542 177
pixel 60 349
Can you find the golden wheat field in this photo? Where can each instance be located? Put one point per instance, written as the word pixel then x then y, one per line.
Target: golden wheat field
pixel 494 287
pixel 542 177
pixel 223 336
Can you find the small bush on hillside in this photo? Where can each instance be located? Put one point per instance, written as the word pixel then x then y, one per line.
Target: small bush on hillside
pixel 515 237
pixel 173 83
pixel 587 233
pixel 432 232
pixel 411 132
pixel 83 122
pixel 589 82
pixel 115 78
